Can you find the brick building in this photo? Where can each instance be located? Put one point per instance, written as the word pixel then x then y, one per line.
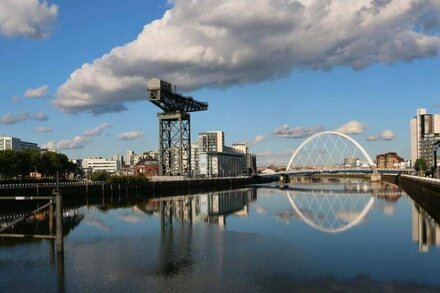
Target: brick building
pixel 388 161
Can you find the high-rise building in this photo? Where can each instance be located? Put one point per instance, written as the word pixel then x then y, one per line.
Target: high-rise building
pixel 195 171
pixel 119 161
pixel 425 131
pixel 15 144
pixel 211 141
pixel 129 158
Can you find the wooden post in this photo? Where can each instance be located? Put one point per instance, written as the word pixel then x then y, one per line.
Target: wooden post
pixel 59 217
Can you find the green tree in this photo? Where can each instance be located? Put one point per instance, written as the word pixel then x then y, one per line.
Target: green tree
pixel 8 163
pixel 99 176
pixel 420 165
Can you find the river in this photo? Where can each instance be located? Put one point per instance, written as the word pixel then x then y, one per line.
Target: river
pixel 340 236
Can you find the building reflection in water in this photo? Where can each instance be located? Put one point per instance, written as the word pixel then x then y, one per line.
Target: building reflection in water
pixel 425 230
pixel 179 213
pixel 208 208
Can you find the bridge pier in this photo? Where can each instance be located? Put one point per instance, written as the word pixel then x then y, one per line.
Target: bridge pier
pixel 285 178
pixel 375 177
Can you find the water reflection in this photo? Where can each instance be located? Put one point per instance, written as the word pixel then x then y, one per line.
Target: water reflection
pixel 234 241
pixel 208 208
pixel 425 230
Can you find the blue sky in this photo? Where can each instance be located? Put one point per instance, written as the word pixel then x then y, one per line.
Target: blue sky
pixel 247 98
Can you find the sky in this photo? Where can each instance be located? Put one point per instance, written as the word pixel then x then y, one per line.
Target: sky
pixel 73 74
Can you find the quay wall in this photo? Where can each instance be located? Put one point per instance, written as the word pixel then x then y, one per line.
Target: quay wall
pixel 171 187
pixel 424 191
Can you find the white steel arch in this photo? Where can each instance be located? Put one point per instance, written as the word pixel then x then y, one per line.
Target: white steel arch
pixel 364 152
pixel 306 220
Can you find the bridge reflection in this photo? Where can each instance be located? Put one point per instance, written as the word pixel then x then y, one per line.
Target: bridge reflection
pixel 335 208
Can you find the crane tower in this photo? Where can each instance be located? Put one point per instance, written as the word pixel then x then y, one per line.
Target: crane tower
pixel 174 127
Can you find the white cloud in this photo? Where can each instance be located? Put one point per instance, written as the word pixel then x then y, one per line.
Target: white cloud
pixel 264 154
pixel 97 130
pixel 352 127
pixel 384 135
pixel 30 18
pixel 43 129
pixel 10 118
pixel 259 138
pixel 296 132
pixel 222 43
pixel 36 92
pixel 130 135
pixel 79 141
pixel 40 116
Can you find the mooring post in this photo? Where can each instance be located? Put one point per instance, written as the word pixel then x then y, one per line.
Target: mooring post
pixel 59 217
pixel 51 218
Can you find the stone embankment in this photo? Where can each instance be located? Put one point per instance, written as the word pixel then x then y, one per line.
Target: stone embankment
pixel 431 183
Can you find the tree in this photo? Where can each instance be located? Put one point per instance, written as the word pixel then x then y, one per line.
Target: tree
pixel 420 165
pixel 99 176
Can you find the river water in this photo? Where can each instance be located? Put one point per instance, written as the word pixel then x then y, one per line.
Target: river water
pixel 306 237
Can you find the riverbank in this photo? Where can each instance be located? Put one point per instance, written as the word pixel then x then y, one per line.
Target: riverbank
pixel 179 186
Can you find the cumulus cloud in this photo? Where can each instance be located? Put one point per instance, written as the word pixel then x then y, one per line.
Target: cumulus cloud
pixel 296 132
pixel 10 118
pixel 36 92
pixel 259 138
pixel 79 141
pixel 40 116
pixel 384 135
pixel 130 135
pixel 29 18
pixel 97 130
pixel 352 127
pixel 204 43
pixel 43 129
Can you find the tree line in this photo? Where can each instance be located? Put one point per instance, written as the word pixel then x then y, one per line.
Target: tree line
pixel 19 164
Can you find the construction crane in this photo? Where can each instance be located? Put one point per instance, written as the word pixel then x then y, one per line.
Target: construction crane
pixel 174 127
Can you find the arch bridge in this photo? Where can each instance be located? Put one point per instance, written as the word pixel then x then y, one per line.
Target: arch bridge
pixel 330 152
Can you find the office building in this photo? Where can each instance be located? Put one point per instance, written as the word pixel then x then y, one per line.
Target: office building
pixel 217 160
pixel 129 158
pixel 425 132
pixel 119 161
pixel 94 164
pixel 16 144
pixel 195 171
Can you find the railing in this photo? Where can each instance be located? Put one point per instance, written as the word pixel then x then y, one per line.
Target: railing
pixel 56 200
pixel 50 184
pixel 433 181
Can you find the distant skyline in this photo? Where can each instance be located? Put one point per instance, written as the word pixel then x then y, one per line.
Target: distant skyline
pixel 74 73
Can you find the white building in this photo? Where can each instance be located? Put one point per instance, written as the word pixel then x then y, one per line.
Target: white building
pixel 425 131
pixel 119 160
pixel 94 164
pixel 217 160
pixel 195 160
pixel 129 158
pixel 15 144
